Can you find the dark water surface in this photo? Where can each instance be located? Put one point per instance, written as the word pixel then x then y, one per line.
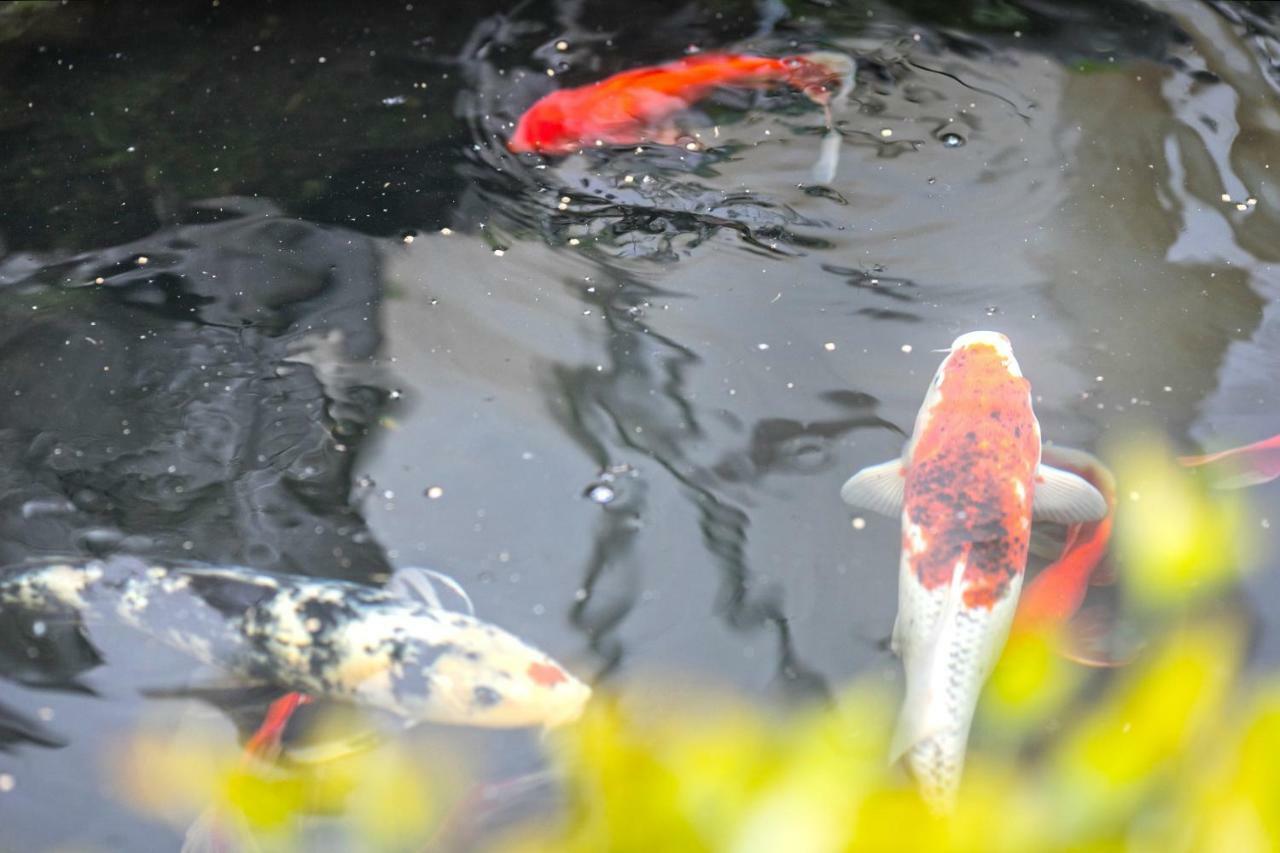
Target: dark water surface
pixel 633 382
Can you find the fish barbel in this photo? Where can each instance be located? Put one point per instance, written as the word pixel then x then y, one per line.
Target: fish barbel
pixel 966 487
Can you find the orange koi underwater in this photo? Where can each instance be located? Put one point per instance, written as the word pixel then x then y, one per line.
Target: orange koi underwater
pixel 1254 463
pixel 1056 593
pixel 638 106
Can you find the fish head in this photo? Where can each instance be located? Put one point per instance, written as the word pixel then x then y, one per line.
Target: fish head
pixel 990 343
pixel 544 129
pixel 480 675
pixel 977 360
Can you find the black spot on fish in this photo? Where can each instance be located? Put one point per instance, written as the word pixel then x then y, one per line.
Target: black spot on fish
pixel 485 697
pixel 426 654
pixel 229 594
pixel 411 685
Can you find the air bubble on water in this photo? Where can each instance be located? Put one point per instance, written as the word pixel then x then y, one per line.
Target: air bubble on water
pixel 601 493
pixel 952 140
pixel 38 628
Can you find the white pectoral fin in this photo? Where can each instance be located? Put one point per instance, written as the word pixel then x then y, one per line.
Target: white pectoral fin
pixel 878 488
pixel 1062 497
pixel 418 584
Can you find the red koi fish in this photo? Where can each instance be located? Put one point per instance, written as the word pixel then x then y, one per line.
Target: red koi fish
pixel 1055 595
pixel 638 106
pixel 967 487
pixel 1255 463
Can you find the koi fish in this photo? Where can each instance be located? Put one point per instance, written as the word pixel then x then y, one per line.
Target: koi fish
pixel 394 649
pixel 639 105
pixel 1255 463
pixel 967 486
pixel 1055 594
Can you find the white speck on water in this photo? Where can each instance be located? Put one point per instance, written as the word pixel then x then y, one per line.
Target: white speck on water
pixel 6 783
pixel 562 45
pixel 446 231
pixel 143 260
pixel 573 241
pixel 1168 388
pixel 886 132
pixel 39 628
pixel 539 610
pixel 434 493
pixel 1266 524
pixel 601 494
pixel 1225 197
pixel 408 238
pixel 762 347
pixel 45 713
pixel 829 346
pixel 499 252
pixel 859 523
pixel 1242 206
pixel 906 347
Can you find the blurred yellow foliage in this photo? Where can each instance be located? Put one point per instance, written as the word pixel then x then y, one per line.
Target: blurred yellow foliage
pixel 385 797
pixel 1178 540
pixel 1174 752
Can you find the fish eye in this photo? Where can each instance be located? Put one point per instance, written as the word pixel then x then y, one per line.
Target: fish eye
pixel 485 697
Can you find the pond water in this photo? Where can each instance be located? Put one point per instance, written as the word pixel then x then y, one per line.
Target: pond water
pixel 274 293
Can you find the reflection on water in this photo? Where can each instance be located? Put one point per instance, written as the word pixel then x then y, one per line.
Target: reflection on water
pixel 331 384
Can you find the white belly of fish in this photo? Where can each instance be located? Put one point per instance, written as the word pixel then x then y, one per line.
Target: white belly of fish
pixel 947 650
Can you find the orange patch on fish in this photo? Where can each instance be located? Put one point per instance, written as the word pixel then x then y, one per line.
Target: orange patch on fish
pixel 972 477
pixel 546 675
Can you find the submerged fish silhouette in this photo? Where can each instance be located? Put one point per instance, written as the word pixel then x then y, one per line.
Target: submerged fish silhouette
pixel 639 105
pixel 966 487
pixel 1254 463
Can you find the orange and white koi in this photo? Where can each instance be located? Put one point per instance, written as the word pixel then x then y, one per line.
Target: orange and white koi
pixel 1254 464
pixel 638 106
pixel 967 486
pixel 395 649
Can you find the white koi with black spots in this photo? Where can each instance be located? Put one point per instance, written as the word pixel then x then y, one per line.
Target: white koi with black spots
pixel 394 649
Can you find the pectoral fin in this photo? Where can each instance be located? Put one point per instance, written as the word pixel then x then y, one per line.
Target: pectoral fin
pixel 418 584
pixel 1064 498
pixel 878 488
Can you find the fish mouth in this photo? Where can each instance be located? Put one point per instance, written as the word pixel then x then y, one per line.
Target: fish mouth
pixel 998 340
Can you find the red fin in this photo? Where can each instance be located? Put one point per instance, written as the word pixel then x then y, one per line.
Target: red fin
pixel 1094 639
pixel 265 743
pixel 1249 465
